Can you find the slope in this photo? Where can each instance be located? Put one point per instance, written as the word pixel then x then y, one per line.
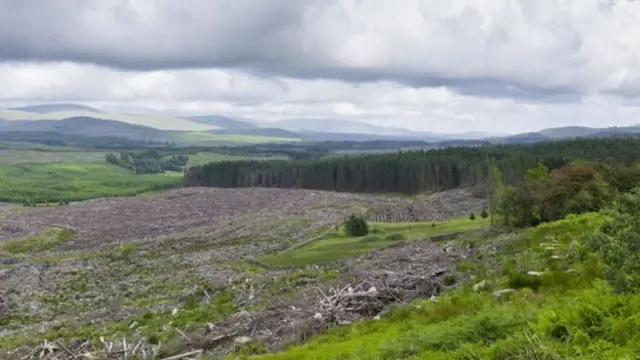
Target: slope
pixel 84 126
pixel 158 122
pixel 222 122
pixel 55 107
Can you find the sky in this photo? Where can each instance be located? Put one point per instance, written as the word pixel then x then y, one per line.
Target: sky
pixel 434 65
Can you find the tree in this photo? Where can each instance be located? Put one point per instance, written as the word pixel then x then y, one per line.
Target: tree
pixel 496 193
pixel 484 214
pixel 472 216
pixel 537 173
pixel 356 226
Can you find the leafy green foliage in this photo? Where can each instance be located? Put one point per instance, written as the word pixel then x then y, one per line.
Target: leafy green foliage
pixel 472 216
pixel 618 245
pixel 148 162
pixel 356 226
pixel 484 214
pixel 572 189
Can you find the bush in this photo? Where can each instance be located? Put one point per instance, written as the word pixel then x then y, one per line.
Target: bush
pixel 371 238
pixel 356 226
pixel 449 279
pixel 395 237
pixel 484 214
pixel 521 281
pixel 472 216
pixel 618 242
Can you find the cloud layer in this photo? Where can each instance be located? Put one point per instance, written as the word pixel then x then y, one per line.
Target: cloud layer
pixel 451 64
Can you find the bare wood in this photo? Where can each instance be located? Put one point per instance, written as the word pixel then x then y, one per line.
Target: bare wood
pixel 182 356
pixel 66 350
pixel 184 335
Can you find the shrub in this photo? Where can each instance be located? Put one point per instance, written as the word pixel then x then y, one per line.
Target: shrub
pixel 520 281
pixel 372 238
pixel 449 279
pixel 618 243
pixel 356 226
pixel 395 237
pixel 472 216
pixel 484 214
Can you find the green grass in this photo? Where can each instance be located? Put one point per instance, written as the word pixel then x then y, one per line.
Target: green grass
pixel 207 157
pixel 56 182
pixel 337 245
pixel 15 156
pixel 563 315
pixel 37 243
pixel 212 138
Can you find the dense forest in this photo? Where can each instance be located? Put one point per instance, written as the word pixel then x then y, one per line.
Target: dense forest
pixel 148 162
pixel 413 171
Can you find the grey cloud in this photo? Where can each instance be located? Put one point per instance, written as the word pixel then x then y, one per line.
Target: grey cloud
pixel 489 48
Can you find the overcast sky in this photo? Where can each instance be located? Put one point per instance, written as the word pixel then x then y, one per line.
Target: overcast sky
pixel 435 65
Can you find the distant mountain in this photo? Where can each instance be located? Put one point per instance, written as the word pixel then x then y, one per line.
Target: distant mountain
pixel 154 121
pixel 56 107
pixel 568 132
pixel 340 126
pixel 85 126
pixel 222 122
pixel 266 131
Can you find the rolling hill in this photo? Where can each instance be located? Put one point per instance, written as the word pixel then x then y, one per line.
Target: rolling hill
pixel 154 121
pixel 567 132
pixel 85 126
pixel 222 122
pixel 56 107
pixel 340 126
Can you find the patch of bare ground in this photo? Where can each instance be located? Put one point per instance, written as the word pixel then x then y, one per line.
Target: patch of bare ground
pixel 435 207
pixel 166 274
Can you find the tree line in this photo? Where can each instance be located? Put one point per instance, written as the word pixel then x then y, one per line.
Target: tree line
pixel 148 162
pixel 577 187
pixel 413 171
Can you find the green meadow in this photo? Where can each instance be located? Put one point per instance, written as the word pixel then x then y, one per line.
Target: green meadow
pixel 337 245
pixel 63 182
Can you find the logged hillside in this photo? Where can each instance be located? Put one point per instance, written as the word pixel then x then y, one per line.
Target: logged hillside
pixel 413 171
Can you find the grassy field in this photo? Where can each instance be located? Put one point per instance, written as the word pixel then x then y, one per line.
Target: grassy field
pixel 207 157
pixel 337 245
pixel 15 156
pixel 547 300
pixel 205 138
pixel 71 174
pixel 54 182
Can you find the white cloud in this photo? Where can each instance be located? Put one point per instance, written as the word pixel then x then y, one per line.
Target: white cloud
pixel 437 65
pixel 234 93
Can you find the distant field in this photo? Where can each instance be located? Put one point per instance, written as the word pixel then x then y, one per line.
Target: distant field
pixel 206 157
pixel 206 138
pixel 55 182
pixel 16 156
pixel 337 245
